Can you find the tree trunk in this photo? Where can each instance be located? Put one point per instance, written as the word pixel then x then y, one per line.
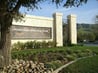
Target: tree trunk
pixel 5 41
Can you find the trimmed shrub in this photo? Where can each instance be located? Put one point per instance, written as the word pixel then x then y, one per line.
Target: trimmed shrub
pixel 88 52
pixel 33 45
pixel 54 64
pixel 51 44
pixel 69 51
pixel 44 44
pixel 18 46
pixel 70 57
pixel 29 45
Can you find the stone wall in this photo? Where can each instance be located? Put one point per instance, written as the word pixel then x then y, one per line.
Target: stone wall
pixel 55 24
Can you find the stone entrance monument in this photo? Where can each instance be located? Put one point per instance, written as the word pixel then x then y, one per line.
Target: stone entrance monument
pixel 35 28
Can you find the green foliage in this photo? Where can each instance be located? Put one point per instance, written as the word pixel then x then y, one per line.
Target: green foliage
pixel 65 34
pixel 85 35
pixel 87 65
pixel 87 32
pixel 44 44
pixel 32 45
pixel 70 57
pixel 47 56
pixel 62 50
pixel 18 46
pixel 51 44
pixel 52 54
pixel 29 45
pixel 54 64
pixel 95 30
pixel 88 52
pixel 69 51
pixel 80 44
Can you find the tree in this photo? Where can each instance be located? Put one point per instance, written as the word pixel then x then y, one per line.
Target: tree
pixel 85 35
pixel 94 28
pixel 91 37
pixel 65 40
pixel 9 9
pixel 96 20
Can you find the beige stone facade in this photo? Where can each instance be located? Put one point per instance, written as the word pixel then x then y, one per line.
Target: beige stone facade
pixel 58 29
pixel 72 29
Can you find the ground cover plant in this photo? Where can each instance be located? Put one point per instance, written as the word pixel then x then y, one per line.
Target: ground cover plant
pixel 55 57
pixel 87 65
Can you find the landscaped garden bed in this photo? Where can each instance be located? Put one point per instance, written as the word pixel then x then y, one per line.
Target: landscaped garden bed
pixel 55 57
pixel 52 58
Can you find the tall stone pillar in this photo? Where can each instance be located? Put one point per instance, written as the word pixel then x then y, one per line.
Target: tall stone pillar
pixel 72 29
pixel 58 31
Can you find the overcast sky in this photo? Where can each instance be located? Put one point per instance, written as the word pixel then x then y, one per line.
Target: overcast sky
pixel 85 13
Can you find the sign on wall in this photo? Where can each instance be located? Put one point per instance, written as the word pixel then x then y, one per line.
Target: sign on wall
pixel 29 32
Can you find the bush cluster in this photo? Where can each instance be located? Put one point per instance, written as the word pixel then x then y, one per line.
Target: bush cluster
pixel 32 45
pixel 54 64
pixel 47 56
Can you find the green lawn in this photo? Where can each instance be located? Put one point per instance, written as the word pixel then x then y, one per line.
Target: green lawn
pixel 87 65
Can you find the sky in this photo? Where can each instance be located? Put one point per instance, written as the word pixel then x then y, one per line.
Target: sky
pixel 85 13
